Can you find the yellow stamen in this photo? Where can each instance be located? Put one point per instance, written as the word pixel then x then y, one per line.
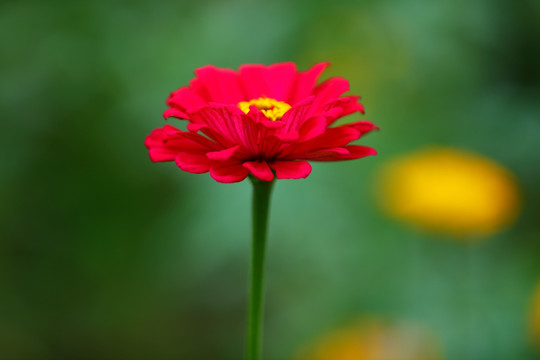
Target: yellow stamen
pixel 273 109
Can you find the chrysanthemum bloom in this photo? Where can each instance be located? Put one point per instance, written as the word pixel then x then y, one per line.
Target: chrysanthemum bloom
pixel 259 120
pixel 451 191
pixel 375 340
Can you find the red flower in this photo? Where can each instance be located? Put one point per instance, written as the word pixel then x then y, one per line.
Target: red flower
pixel 259 120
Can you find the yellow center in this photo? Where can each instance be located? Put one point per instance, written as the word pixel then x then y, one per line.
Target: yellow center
pixel 273 109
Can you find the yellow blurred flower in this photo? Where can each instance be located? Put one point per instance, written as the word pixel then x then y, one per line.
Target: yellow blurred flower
pixel 450 190
pixel 535 317
pixel 374 340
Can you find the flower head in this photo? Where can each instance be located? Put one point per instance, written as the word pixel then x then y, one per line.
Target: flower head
pixel 261 120
pixel 451 191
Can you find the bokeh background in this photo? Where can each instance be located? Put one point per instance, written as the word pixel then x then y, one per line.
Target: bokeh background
pixel 105 255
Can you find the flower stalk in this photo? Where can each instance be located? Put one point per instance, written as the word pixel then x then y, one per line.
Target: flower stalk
pixel 261 204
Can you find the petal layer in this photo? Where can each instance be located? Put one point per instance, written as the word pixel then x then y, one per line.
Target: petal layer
pixel 260 170
pixel 291 169
pixel 229 174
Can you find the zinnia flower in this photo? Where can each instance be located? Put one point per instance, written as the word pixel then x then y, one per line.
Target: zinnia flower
pixel 259 120
pixel 450 190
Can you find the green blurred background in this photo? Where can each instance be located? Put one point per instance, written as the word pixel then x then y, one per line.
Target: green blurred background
pixel 105 255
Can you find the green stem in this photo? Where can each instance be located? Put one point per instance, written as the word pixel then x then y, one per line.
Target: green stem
pixel 261 204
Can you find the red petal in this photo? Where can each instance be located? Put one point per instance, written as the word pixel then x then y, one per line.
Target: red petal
pixel 355 152
pixel 172 112
pixel 260 170
pixel 198 88
pixel 154 139
pixel 332 88
pixel 185 98
pixel 333 114
pixel 196 163
pixel 275 81
pixel 363 126
pixel 223 155
pixel 214 135
pixel 281 78
pixel 332 137
pixel 229 126
pixel 328 91
pixel 199 139
pixel 162 154
pixel 358 151
pixel 291 169
pixel 287 137
pixel 229 174
pixel 222 85
pixel 254 80
pixel 321 155
pixel 269 146
pixel 350 105
pixel 271 124
pixel 165 143
pixel 313 127
pixel 182 143
pixel 191 127
pixel 305 82
pixel 295 117
pixel 342 107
